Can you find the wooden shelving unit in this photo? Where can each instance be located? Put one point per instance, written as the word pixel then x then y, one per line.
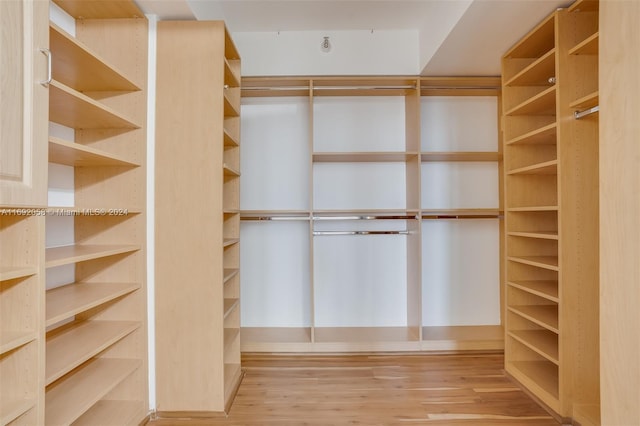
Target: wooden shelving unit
pixel 406 95
pixel 203 380
pixel 98 90
pixel 551 163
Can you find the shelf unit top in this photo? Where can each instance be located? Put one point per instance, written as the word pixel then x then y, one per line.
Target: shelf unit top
pixel 368 86
pixel 104 9
pixel 75 65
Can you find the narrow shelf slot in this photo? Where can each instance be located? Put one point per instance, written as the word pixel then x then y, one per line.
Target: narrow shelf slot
pixel 73 154
pixel 538 73
pixel 585 6
pixel 458 213
pixel 544 315
pixel 13 272
pixel 73 109
pixel 11 409
pixel 69 300
pixel 545 235
pixel 72 345
pixel 545 135
pixel 65 255
pixel 71 56
pixel 460 156
pixel 230 78
pixel 543 373
pixel 542 342
pixel 544 288
pixel 544 103
pixel 10 340
pixel 546 168
pixel 585 102
pixel 229 306
pixel 546 262
pixel 107 412
pixel 230 273
pixel 72 396
pixel 232 375
pixel 588 46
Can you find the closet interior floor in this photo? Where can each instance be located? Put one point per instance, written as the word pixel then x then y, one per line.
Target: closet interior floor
pixel 381 389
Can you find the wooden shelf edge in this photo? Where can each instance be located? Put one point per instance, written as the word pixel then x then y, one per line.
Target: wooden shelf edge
pixel 462 156
pixel 588 46
pixel 13 272
pixel 539 261
pixel 535 135
pixel 229 273
pixel 113 412
pixel 545 168
pixel 521 109
pixel 73 154
pixel 65 255
pixel 551 235
pixel 527 338
pixel 530 288
pixel 14 339
pixel 586 101
pixel 11 409
pixel 526 373
pixel 532 66
pixel 73 51
pixel 363 157
pixel 73 395
pixel 68 348
pixel 535 314
pixel 229 305
pixel 86 296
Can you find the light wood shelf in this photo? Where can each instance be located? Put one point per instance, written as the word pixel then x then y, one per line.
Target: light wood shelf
pixel 75 394
pixel 76 155
pixel 458 213
pixel 75 65
pixel 232 376
pixel 65 255
pixel 72 345
pixel 363 157
pixel 545 135
pixel 230 335
pixel 230 241
pixel 100 10
pixel 230 110
pixel 460 156
pixel 230 77
pixel 587 414
pixel 278 335
pixel 546 168
pixel 543 315
pixel 544 288
pixel 11 409
pixel 585 6
pixel 543 373
pixel 229 141
pixel 69 300
pixel 537 42
pixel 229 305
pixel 533 209
pixel 542 342
pixel 230 171
pixel 541 104
pixel 13 272
pixel 546 262
pixel 111 412
pixel 587 101
pixel 588 46
pixel 544 235
pixel 538 73
pixel 76 110
pixel 230 273
pixel 10 340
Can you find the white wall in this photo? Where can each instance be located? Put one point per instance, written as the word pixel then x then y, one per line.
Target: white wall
pixel 353 53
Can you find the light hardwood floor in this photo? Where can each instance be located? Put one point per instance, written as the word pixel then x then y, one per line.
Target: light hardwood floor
pixel 377 390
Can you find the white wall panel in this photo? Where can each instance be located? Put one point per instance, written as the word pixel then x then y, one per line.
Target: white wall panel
pixel 459 185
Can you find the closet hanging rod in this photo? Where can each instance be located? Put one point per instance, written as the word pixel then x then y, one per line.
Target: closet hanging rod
pixel 402 87
pixel 365 217
pixel 460 88
pixel 453 216
pixel 275 88
pixel 579 114
pixel 273 218
pixel 329 233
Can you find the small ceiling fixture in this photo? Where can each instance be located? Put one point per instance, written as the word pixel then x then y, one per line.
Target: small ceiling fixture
pixel 325 46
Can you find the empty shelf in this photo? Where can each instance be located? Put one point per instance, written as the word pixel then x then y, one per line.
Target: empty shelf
pixel 543 342
pixel 546 168
pixel 546 289
pixel 230 273
pixel 73 154
pixel 543 373
pixel 544 103
pixel 230 305
pixel 546 262
pixel 588 46
pixel 550 235
pixel 230 241
pixel 10 340
pixel 545 135
pixel 543 315
pixel 11 409
pixel 537 73
pixel 58 256
pixel 69 300
pixel 107 412
pixel 13 272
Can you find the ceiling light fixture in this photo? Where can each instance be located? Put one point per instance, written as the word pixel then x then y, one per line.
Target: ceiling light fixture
pixel 325 46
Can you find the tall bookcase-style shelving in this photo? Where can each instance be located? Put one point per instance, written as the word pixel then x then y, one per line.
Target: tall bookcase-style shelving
pixel 197 218
pixel 551 205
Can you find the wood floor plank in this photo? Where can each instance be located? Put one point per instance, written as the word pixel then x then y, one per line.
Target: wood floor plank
pixel 389 390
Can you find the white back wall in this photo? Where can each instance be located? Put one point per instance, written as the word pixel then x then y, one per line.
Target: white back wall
pixel 363 52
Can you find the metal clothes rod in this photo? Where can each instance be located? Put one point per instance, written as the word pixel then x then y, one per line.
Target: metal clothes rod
pixel 324 233
pixel 478 216
pixel 273 218
pixel 410 86
pixel 460 88
pixel 364 217
pixel 579 114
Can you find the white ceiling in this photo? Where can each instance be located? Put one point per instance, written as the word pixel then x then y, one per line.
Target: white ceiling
pixel 457 37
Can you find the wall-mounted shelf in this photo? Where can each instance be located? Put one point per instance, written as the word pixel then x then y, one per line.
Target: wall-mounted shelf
pixel 58 256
